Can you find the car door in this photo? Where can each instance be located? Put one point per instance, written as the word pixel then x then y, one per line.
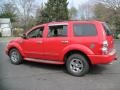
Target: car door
pixel 57 39
pixel 33 45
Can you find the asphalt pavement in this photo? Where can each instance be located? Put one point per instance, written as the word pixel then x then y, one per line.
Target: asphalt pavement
pixel 37 76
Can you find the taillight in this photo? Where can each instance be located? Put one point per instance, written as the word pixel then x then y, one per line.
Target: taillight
pixel 105 47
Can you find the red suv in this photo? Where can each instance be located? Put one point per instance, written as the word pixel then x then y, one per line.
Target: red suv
pixel 77 44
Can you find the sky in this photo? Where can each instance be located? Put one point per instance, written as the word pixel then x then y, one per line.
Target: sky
pixel 74 3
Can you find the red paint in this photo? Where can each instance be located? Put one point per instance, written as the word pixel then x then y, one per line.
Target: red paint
pixel 54 49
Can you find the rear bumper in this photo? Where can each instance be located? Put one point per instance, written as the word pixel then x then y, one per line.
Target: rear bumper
pixel 103 59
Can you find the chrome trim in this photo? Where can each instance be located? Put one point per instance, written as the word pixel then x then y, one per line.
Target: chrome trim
pixel 57 24
pixel 44 61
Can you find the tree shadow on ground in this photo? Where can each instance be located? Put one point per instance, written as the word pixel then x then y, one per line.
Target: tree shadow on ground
pixel 94 69
pixel 97 69
pixel 44 66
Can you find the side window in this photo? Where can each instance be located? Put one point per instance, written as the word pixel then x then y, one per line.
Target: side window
pixel 57 31
pixel 36 33
pixel 84 30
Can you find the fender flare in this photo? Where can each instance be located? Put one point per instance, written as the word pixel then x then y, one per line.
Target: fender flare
pixel 78 47
pixel 17 46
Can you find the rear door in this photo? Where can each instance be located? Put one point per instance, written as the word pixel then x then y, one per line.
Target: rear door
pixel 57 39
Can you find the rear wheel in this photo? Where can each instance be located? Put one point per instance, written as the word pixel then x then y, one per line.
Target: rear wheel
pixel 15 57
pixel 77 65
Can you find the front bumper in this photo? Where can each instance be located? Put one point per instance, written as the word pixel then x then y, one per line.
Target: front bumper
pixel 103 59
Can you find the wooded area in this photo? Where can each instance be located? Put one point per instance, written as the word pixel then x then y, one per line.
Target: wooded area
pixel 27 13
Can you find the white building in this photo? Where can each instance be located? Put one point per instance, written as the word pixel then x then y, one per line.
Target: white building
pixel 5 27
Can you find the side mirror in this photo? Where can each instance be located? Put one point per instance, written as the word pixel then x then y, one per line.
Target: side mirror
pixel 24 36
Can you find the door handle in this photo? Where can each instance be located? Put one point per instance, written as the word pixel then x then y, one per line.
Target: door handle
pixel 39 42
pixel 64 41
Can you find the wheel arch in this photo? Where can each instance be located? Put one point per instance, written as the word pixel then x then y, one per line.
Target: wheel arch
pixel 75 51
pixel 15 47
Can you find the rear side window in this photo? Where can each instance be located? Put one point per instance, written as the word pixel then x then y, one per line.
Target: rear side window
pixel 84 30
pixel 107 29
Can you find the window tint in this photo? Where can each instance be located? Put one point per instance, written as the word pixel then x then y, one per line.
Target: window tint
pixel 38 32
pixel 84 30
pixel 107 29
pixel 57 31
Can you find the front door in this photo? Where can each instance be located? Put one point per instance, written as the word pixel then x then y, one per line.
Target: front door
pixel 33 45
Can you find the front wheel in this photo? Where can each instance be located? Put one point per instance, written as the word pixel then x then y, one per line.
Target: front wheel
pixel 15 57
pixel 77 65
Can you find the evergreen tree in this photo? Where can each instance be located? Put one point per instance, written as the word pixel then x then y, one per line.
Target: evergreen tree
pixel 54 10
pixel 41 16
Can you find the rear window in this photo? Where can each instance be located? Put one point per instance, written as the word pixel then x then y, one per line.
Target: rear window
pixel 107 29
pixel 84 30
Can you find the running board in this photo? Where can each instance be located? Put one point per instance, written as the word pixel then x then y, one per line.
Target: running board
pixel 44 61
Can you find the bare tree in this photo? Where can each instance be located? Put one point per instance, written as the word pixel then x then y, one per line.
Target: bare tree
pixel 73 13
pixel 109 10
pixel 8 11
pixel 115 4
pixel 86 11
pixel 25 10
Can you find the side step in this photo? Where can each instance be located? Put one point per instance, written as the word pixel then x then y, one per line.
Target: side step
pixel 44 61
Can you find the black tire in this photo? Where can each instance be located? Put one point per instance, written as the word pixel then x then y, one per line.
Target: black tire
pixel 15 56
pixel 77 65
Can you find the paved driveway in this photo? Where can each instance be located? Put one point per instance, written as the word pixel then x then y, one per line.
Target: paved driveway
pixel 36 76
